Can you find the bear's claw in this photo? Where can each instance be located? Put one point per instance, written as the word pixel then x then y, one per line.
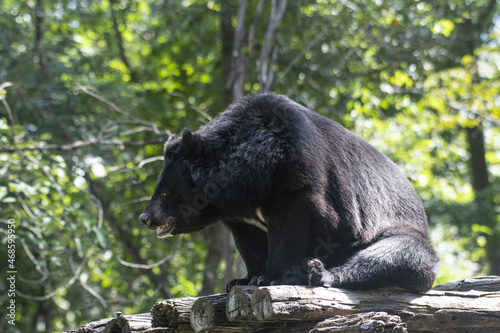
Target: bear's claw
pixel 315 272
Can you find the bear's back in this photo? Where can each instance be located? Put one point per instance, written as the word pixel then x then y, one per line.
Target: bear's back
pixel 291 147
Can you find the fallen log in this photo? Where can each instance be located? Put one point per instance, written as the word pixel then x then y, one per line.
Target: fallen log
pixel 432 311
pixel 477 283
pixel 471 305
pixel 123 324
pixel 208 314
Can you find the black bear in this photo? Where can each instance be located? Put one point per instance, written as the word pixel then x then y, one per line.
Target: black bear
pixel 307 201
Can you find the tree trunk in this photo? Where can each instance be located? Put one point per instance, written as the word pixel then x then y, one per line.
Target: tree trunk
pixel 475 138
pixel 479 170
pixel 215 237
pixel 230 250
pixel 267 58
pixel 227 34
pixel 39 40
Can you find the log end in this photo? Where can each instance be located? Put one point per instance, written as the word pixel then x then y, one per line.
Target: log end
pixel 262 304
pixel 202 315
pixel 238 305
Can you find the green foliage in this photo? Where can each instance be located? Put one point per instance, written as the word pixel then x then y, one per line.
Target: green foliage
pixel 91 78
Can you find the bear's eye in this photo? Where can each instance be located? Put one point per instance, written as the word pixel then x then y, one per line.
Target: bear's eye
pixel 165 196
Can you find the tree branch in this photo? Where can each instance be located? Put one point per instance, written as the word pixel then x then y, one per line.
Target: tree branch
pixel 75 277
pixel 277 13
pixel 91 92
pixel 270 73
pixel 462 107
pixel 94 293
pixel 82 144
pixel 156 264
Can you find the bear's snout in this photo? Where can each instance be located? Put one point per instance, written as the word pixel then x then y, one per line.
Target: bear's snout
pixel 144 218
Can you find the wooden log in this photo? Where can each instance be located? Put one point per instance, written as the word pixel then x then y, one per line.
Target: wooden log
pixel 362 322
pixel 238 306
pixel 209 312
pixel 209 315
pixel 471 305
pixel 432 311
pixel 92 327
pixel 478 283
pixel 129 324
pixel 172 312
pixel 123 324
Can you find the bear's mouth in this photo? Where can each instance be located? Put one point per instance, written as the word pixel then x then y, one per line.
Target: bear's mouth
pixel 166 229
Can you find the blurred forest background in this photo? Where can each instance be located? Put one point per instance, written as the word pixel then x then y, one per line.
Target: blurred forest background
pixel 90 90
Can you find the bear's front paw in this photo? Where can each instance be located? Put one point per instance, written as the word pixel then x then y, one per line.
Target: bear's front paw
pixel 261 280
pixel 316 273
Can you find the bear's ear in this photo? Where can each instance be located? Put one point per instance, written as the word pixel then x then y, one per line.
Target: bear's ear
pixel 190 142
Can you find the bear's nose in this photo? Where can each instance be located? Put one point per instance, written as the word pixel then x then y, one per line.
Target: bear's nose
pixel 144 218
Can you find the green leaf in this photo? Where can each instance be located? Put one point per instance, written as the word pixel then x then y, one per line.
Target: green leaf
pixel 444 27
pixel 101 238
pixel 482 229
pixel 3 192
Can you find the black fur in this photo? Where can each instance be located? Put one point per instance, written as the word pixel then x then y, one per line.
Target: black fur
pixel 293 185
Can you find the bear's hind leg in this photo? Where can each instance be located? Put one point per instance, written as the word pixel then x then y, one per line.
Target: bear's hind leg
pixel 399 257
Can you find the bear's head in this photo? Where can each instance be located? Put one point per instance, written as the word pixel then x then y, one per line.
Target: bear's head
pixel 176 207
